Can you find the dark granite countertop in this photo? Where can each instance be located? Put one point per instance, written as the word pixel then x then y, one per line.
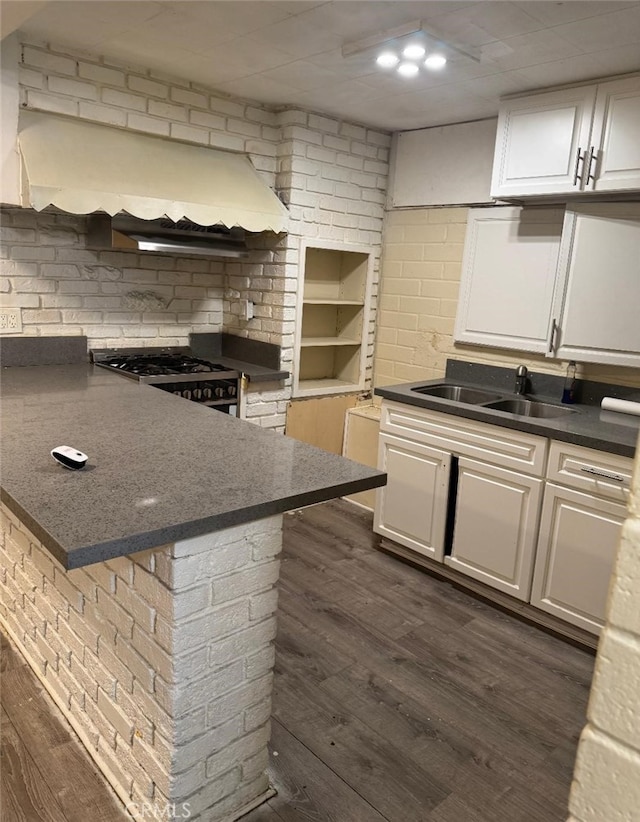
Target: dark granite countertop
pixel 257 361
pixel 254 373
pixel 588 425
pixel 160 468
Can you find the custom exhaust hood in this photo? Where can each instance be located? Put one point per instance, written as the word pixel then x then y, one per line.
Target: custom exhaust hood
pixel 155 194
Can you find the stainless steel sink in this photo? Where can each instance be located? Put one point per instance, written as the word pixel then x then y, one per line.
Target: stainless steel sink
pixel 459 393
pixel 530 408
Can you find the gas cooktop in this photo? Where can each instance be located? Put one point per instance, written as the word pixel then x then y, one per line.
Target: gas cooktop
pixel 164 363
pixel 157 365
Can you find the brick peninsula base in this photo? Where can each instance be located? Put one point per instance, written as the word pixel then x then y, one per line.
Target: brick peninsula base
pixel 161 661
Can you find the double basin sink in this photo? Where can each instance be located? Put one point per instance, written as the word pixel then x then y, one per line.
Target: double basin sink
pixel 520 406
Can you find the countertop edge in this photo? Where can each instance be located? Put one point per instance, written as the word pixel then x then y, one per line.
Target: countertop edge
pixel 99 552
pixel 254 373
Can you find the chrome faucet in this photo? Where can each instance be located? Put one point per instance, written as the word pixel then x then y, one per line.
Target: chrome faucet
pixel 521 379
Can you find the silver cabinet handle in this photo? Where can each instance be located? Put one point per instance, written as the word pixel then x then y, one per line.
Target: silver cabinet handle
pixel 579 159
pixel 593 160
pixel 603 474
pixel 553 335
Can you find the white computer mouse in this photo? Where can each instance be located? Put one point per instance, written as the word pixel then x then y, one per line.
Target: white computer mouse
pixel 69 457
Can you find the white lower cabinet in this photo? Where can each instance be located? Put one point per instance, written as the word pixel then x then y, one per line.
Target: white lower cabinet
pixel 435 479
pixel 412 508
pixel 496 523
pixel 579 537
pixel 579 533
pixel 487 502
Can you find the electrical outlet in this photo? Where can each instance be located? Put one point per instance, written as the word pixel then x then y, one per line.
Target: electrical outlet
pixel 10 320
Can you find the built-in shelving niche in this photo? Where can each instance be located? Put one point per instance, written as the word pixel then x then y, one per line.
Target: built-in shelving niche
pixel 333 310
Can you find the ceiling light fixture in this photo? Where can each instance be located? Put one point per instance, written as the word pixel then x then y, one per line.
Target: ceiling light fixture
pixel 408 69
pixel 435 62
pixel 414 51
pixel 387 59
pixel 413 30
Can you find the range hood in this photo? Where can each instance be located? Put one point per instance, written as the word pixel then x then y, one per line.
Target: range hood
pixel 165 236
pixel 179 192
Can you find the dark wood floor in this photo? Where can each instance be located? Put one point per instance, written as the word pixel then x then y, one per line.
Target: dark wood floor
pixel 397 697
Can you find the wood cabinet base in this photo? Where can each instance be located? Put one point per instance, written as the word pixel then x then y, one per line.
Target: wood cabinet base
pixel 523 610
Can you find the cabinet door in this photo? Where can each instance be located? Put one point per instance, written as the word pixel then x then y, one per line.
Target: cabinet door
pixel 508 276
pixel 412 508
pixel 578 541
pixel 541 143
pixel 616 137
pixel 496 525
pixel 600 295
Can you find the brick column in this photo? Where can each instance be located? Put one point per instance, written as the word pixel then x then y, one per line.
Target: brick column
pixel 161 661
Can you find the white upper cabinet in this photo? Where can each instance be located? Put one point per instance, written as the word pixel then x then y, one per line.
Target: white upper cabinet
pixel 508 277
pixel 598 291
pixel 616 137
pixel 574 140
pixel 541 142
pixel 567 289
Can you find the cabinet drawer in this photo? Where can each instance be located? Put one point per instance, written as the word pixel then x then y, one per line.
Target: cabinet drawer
pixel 462 437
pixel 599 473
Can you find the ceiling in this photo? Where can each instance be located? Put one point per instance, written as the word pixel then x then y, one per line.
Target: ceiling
pixel 290 53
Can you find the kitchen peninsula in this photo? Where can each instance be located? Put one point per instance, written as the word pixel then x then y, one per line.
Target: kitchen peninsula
pixel 141 589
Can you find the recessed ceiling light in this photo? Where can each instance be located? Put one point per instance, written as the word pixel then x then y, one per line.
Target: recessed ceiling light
pixel 387 59
pixel 408 69
pixel 413 52
pixel 435 61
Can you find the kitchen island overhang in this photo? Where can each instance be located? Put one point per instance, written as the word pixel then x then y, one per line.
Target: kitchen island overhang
pixel 157 641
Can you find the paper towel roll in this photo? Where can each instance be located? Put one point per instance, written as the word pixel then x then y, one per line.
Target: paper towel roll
pixel 621 406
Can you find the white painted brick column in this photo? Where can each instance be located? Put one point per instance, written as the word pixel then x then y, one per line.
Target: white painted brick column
pixel 606 786
pixel 161 661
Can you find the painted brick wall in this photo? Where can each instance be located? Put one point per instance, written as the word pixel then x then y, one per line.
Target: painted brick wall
pixel 115 298
pixel 335 174
pixel 332 174
pixel 161 661
pixel 606 782
pixel 421 267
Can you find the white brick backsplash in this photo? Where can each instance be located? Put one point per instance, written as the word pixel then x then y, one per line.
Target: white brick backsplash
pixel 189 133
pixel 153 125
pixel 101 74
pixel 72 88
pixel 225 106
pixel 39 58
pixel 150 88
pixel 189 98
pixel 102 114
pixel 204 118
pixel 30 79
pixel 167 111
pixel 123 99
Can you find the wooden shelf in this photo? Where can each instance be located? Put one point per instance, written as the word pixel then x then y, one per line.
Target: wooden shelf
pixel 327 386
pixel 316 342
pixel 306 301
